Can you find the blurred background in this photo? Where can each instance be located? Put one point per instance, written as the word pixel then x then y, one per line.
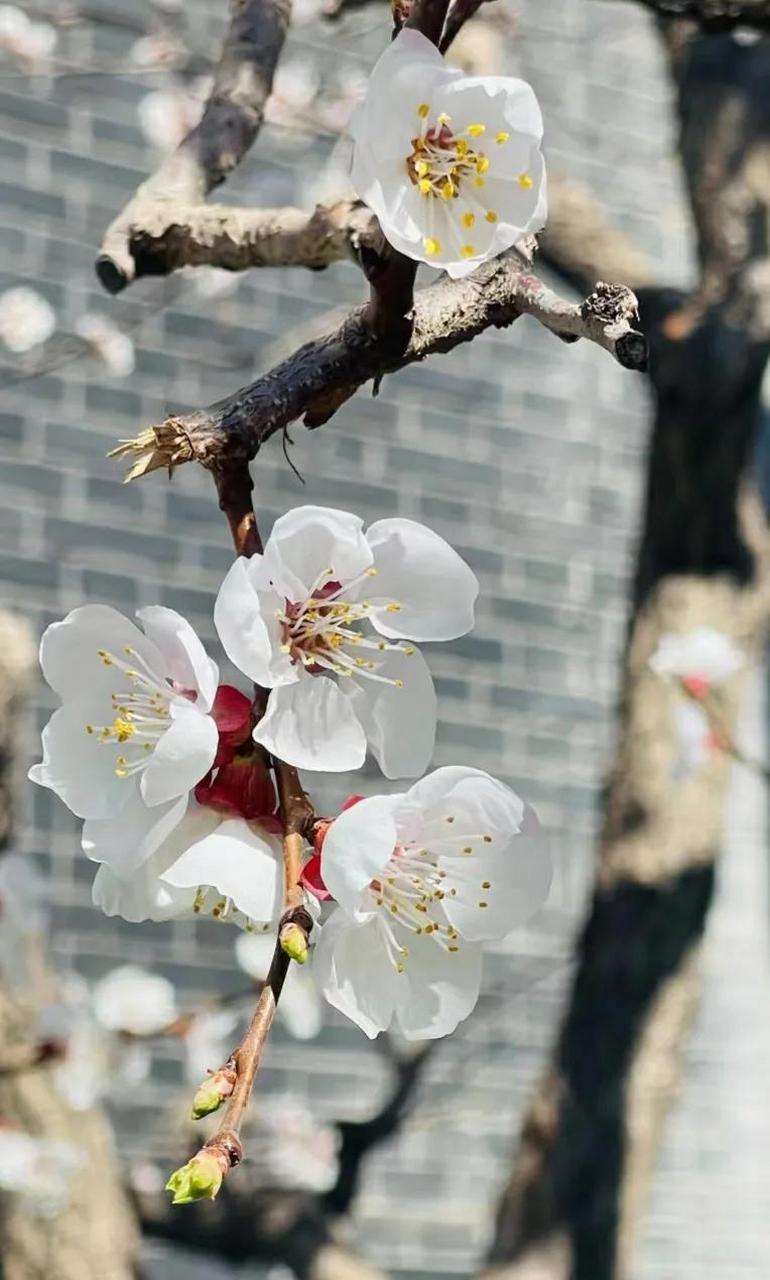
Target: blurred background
pixel 529 456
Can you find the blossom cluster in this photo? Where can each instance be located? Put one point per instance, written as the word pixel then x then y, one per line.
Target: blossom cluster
pixel 171 769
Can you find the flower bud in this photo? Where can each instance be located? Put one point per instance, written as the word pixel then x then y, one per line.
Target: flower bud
pixel 293 941
pixel 199 1179
pixel 213 1092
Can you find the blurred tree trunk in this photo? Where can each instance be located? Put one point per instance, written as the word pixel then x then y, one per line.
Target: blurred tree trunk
pixel 94 1238
pixel 580 1177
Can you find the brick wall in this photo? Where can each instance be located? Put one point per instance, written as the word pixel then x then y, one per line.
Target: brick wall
pixel 526 454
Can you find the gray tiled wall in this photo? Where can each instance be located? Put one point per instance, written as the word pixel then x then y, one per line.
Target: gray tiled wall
pixel 525 453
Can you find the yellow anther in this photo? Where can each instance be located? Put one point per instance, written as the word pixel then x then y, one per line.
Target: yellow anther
pixel 89 728
pixel 483 904
pixel 502 136
pixel 432 247
pixel 399 968
pixel 525 182
pixel 372 572
pixel 123 730
pixel 127 649
pixel 490 215
pixel 447 190
pixel 487 839
pixel 479 182
pixel 394 909
pixel 450 819
pixel 468 848
pixel 423 110
pixel 425 185
pixel 105 657
pixel 486 884
pixel 393 607
pixel 467 251
pixel 409 650
pixel 468 220
pixel 444 118
pixel 421 168
pixel 453 948
pixel 399 684
pixel 476 130
pixel 461 147
pixel 482 164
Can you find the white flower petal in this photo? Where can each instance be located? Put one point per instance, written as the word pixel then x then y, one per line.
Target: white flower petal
pixel 438 989
pixel 358 845
pixel 308 541
pixel 313 725
pixel 69 652
pixel 126 841
pixel 241 862
pixel 185 659
pixel 142 897
pixel 704 652
pixel 513 885
pixel 244 616
pixel 475 801
pixel 400 723
pixel 435 588
pixel 182 756
pixel 79 768
pixel 354 973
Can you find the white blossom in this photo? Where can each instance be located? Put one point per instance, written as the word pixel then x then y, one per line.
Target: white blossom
pixel 166 116
pixel 108 342
pixel 208 864
pixel 26 319
pixel 451 164
pixel 39 1170
pixel 695 662
pixel 133 735
pixel 702 657
pixel 318 620
pixel 98 1062
pixel 135 1001
pixel 209 1042
pixel 300 1007
pixel 30 43
pixel 422 879
pixel 294 1150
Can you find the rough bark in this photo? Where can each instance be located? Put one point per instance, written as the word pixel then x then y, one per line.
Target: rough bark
pixel 230 123
pixel 572 1206
pixel 313 382
pixel 95 1237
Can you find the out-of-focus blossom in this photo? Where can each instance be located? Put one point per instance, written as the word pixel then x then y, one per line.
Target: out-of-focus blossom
pixel 161 49
pixel 300 1008
pixel 108 343
pixel 23 917
pixel 134 1001
pixel 38 1170
pixel 209 1041
pixel 212 283
pixel 166 116
pixel 296 1151
pixel 26 319
pixel 31 44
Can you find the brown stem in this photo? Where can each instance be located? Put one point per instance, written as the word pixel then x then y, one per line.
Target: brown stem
pixel 248 1057
pixel 313 382
pixel 297 813
pixel 234 486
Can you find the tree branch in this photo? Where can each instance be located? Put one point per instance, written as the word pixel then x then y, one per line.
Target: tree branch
pixel 172 236
pixel 314 381
pixel 231 121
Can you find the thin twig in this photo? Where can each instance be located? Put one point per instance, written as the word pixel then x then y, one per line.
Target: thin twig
pixel 230 123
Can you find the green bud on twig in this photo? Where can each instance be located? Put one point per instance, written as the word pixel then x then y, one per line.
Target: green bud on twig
pixel 293 941
pixel 199 1179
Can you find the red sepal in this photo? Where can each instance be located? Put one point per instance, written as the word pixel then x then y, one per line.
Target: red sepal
pixel 232 714
pixel 312 880
pixel 242 788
